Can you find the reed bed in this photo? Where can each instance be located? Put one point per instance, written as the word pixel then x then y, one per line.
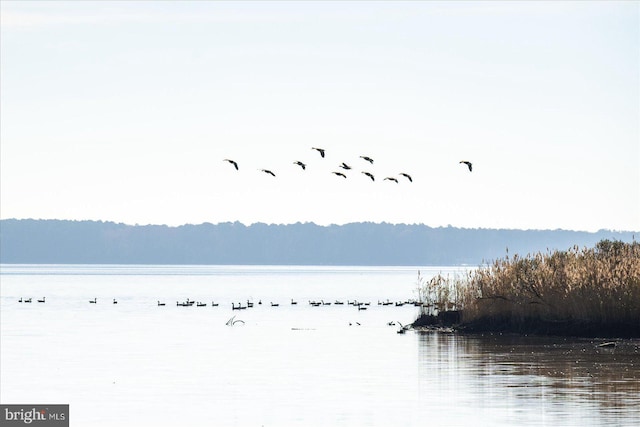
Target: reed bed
pixel 589 291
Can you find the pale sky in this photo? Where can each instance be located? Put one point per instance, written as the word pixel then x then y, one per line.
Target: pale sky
pixel 124 111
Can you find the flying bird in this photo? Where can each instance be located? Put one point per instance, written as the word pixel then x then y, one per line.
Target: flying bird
pixel 391 179
pixel 268 171
pixel 233 162
pixel 319 150
pixel 406 175
pixel 339 174
pixel 367 158
pixel 468 164
pixel 345 166
pixel 370 175
pixel 299 163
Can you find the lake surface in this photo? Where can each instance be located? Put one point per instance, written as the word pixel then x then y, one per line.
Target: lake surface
pixel 135 363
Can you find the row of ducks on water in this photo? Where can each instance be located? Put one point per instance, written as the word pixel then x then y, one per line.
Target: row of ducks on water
pixel 189 303
pixel 43 300
pixel 358 304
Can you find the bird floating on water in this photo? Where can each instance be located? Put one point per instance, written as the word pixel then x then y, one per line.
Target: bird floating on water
pixel 406 175
pixel 299 163
pixel 367 158
pixel 469 165
pixel 403 328
pixel 233 162
pixel 390 178
pixel 319 150
pixel 339 174
pixel 268 171
pixel 370 175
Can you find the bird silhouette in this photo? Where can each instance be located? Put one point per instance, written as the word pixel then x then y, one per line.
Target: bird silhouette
pixel 389 178
pixel 367 158
pixel 345 166
pixel 370 175
pixel 233 162
pixel 469 165
pixel 319 150
pixel 268 171
pixel 299 163
pixel 339 174
pixel 406 175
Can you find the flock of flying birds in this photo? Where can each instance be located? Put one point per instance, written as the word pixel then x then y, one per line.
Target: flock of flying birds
pixel 345 167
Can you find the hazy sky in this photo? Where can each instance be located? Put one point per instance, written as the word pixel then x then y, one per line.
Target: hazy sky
pixel 124 111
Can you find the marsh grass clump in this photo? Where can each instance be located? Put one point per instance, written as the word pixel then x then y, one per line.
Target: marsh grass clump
pixel 578 292
pixel 438 298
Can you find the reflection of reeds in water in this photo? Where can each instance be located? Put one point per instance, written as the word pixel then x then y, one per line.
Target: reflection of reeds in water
pixel 599 286
pixel 597 289
pixel 566 371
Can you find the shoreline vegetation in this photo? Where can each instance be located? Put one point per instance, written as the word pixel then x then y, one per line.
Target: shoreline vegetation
pixel 589 292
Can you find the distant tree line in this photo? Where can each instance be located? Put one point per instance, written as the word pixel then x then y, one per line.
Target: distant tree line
pixel 32 241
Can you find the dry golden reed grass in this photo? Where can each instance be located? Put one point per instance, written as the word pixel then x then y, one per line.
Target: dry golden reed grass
pixel 597 286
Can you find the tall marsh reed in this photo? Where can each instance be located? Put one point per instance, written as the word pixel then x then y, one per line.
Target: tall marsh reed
pixel 597 288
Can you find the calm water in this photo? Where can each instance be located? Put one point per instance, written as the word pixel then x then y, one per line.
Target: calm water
pixel 136 363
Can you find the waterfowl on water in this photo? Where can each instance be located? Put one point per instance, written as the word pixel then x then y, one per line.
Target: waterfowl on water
pixel 41 300
pixel 403 328
pixel 239 307
pixel 160 304
pixel 93 301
